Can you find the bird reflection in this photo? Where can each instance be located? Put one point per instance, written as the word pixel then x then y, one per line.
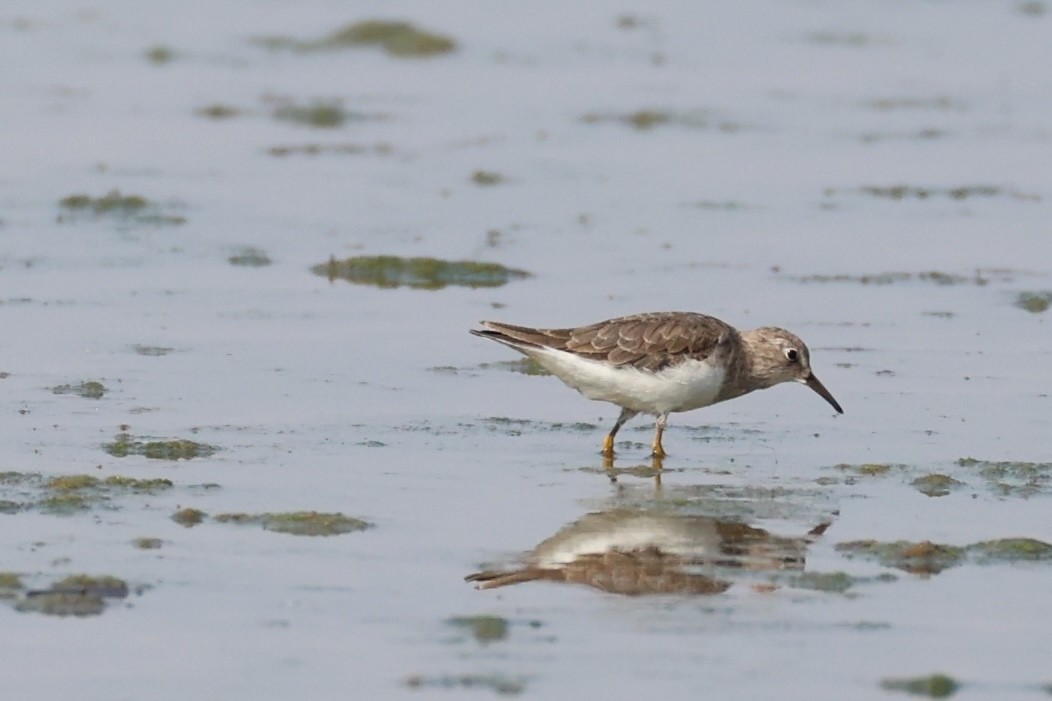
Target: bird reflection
pixel 652 471
pixel 637 551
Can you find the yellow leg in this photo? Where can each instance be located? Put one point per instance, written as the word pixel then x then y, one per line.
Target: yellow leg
pixel 608 442
pixel 659 450
pixel 659 430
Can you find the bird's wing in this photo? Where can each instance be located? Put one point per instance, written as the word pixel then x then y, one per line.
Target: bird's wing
pixel 644 341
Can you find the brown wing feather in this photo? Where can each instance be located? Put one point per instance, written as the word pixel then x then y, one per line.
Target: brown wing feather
pixel 645 341
pixel 524 335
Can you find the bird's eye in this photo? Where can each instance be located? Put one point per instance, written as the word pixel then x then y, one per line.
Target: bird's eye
pixel 791 354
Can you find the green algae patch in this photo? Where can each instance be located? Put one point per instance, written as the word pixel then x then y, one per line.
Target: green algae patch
pixel 88 390
pixel 483 628
pixel 401 39
pixel 124 445
pixel 26 487
pixel 67 494
pixel 68 503
pixel 852 473
pixel 1034 302
pixel 485 178
pixel 320 114
pixel 927 558
pixel 104 585
pixel 148 543
pixel 1010 477
pixel 506 425
pixel 127 208
pixel 1010 550
pixel 903 192
pixel 312 523
pixel 921 558
pixel 888 278
pixel 111 203
pixel 188 517
pixel 249 257
pixel 940 103
pixel 179 449
pixel 936 686
pixel 218 110
pixel 305 523
pixel 647 119
pixel 936 485
pixel 151 351
pixel 137 485
pixel 720 205
pixel 496 683
pixel 418 273
pixel 76 595
pixel 69 483
pixel 62 604
pixel 11 477
pixel 871 137
pixel 868 469
pixel 238 518
pixel 833 582
pixel 10 586
pixel 317 149
pixel 160 55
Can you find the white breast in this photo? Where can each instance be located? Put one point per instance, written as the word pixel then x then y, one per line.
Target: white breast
pixel 688 385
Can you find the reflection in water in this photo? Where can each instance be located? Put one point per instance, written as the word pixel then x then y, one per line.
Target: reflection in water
pixel 639 551
pixel 654 470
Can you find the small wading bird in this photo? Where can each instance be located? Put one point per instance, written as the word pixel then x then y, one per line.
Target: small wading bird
pixel 663 362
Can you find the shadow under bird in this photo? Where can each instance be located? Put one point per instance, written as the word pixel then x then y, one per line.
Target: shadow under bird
pixel 663 362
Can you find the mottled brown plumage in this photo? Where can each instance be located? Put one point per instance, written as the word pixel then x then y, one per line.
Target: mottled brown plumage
pixel 644 571
pixel 644 341
pixel 662 362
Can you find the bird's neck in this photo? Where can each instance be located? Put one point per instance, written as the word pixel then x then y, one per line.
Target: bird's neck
pixel 754 375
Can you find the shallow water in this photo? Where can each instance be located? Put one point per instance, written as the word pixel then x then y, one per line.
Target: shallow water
pixel 729 161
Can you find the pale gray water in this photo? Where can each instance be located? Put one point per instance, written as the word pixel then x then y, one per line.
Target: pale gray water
pixel 372 402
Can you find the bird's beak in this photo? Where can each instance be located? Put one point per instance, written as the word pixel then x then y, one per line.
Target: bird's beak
pixel 818 387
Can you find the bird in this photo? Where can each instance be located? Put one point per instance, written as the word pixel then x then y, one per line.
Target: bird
pixel 658 363
pixel 636 551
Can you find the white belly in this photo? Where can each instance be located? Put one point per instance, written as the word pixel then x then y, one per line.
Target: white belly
pixel 689 385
